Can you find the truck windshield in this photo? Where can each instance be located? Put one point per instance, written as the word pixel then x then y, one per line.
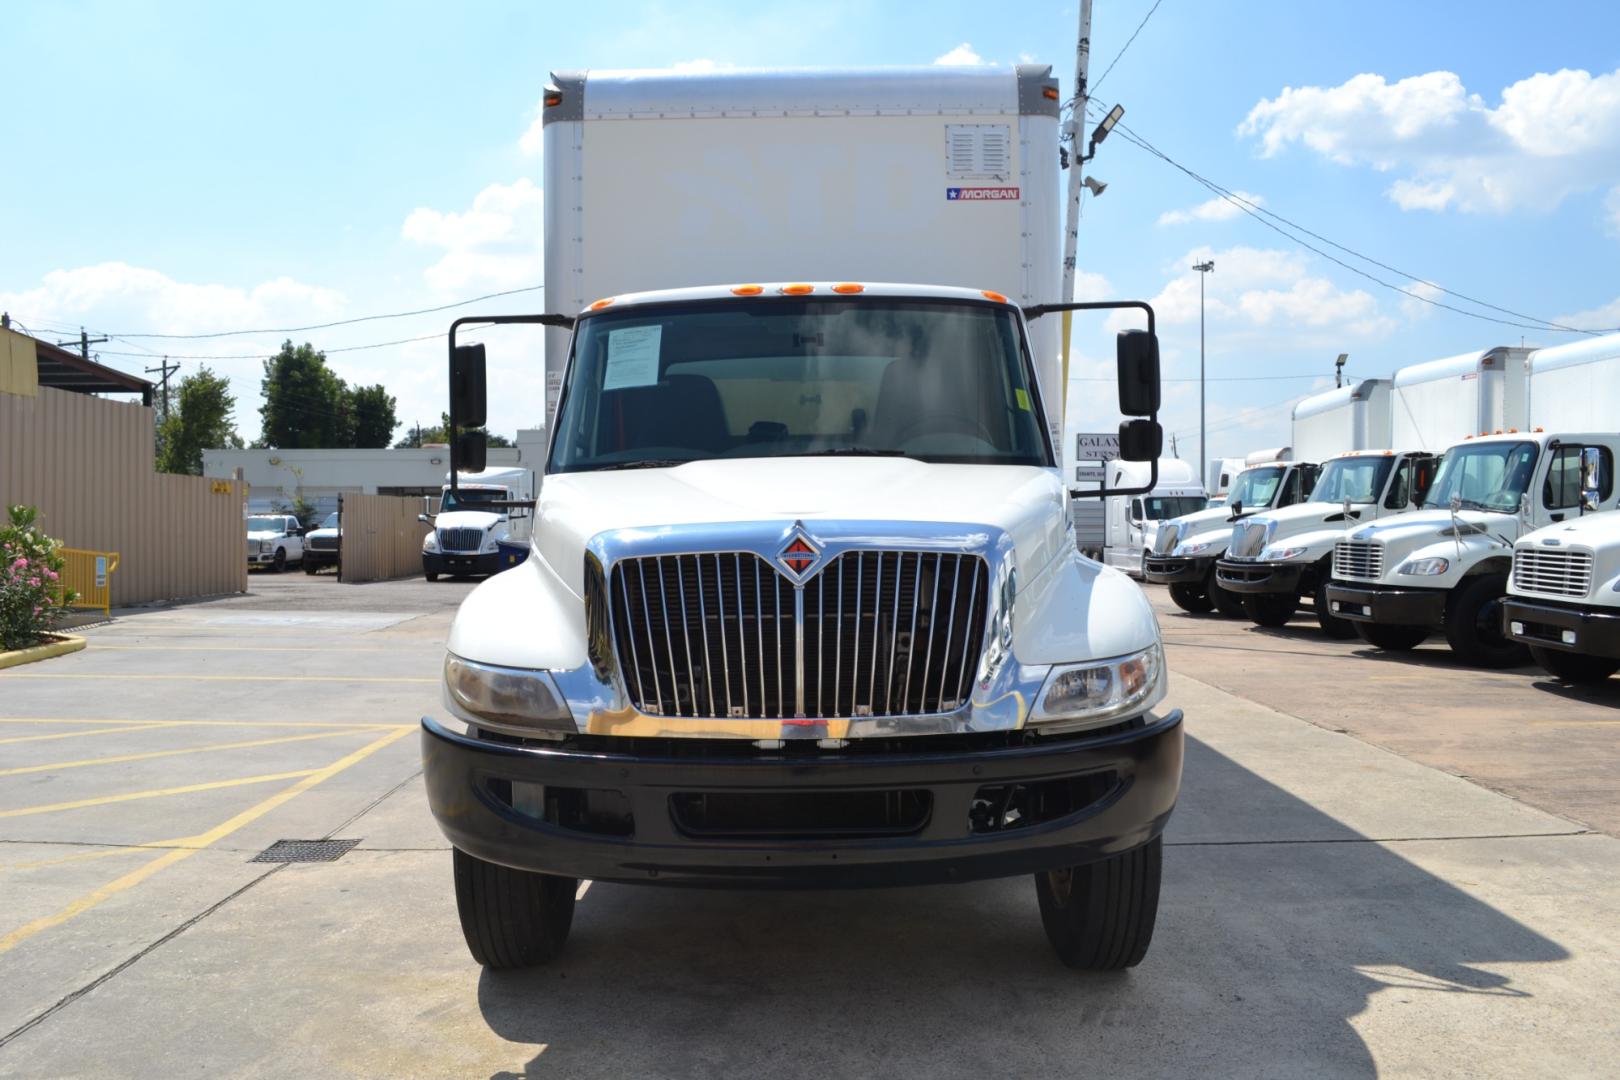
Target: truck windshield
pixel 1359 479
pixel 331 521
pixel 470 498
pixel 1486 476
pixel 266 524
pixel 1256 487
pixel 935 381
pixel 1165 507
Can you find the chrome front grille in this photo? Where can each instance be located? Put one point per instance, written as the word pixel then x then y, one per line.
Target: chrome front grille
pixel 1358 559
pixel 460 539
pixel 1554 572
pixel 1164 541
pixel 873 633
pixel 1248 539
pixel 322 543
pixel 252 548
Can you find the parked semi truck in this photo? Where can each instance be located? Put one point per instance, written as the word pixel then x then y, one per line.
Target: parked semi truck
pixel 1186 549
pixel 1563 600
pixel 1131 522
pixel 475 515
pixel 802 607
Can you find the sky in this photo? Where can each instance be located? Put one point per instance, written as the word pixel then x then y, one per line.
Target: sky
pixel 192 168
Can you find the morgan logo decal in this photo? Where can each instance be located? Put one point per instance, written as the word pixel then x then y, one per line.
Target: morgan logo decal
pixel 981 194
pixel 799 555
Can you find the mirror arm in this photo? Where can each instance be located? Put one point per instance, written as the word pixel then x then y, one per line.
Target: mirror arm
pixel 561 322
pixel 1035 311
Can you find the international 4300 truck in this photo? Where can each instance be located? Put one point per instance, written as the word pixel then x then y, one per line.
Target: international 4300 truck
pixel 803 605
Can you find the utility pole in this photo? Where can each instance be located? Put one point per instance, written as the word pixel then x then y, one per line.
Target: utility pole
pixel 85 341
pixel 165 370
pixel 1071 231
pixel 1203 269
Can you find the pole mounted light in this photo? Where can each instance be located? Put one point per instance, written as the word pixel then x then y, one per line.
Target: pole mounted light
pixel 1203 269
pixel 1100 132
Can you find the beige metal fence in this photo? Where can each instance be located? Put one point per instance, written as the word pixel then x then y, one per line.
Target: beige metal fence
pixel 381 537
pixel 86 463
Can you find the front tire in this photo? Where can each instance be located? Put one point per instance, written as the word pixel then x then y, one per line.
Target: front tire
pixel 311 568
pixel 1100 916
pixel 430 575
pixel 1228 603
pixel 1573 667
pixel 1392 638
pixel 1191 598
pixel 1271 609
pixel 1474 625
pixel 1333 626
pixel 280 564
pixel 511 918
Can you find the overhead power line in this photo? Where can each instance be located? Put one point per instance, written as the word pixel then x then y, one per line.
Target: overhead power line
pixel 1127 44
pixel 268 353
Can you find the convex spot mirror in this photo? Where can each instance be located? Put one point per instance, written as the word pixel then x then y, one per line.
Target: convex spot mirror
pixel 1137 360
pixel 1140 440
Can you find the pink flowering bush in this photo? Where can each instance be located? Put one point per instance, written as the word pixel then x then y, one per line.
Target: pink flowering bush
pixel 32 595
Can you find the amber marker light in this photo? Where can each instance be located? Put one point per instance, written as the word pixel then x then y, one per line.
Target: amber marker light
pixel 600 304
pixel 988 295
pixel 798 290
pixel 552 98
pixel 1049 93
pixel 848 287
pixel 747 290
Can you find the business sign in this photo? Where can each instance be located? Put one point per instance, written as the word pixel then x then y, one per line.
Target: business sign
pixel 981 194
pixel 1096 445
pixel 1088 474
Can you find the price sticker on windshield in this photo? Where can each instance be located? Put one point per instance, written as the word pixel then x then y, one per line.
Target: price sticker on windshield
pixel 632 357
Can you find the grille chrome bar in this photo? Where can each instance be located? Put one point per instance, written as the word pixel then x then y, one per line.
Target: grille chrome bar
pixel 1555 573
pixel 1358 559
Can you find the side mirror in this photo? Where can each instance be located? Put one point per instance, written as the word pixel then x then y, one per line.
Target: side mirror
pixel 1422 478
pixel 1591 478
pixel 1137 362
pixel 469 397
pixel 1140 440
pixel 1237 508
pixel 1456 501
pixel 472 448
pixel 423 518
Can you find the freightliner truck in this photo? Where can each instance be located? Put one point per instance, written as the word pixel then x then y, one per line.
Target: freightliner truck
pixel 1186 549
pixel 1563 600
pixel 803 606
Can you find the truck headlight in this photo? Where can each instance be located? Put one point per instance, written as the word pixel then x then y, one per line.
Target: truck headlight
pixel 491 544
pixel 1100 691
pixel 1424 567
pixel 520 701
pixel 267 546
pixel 430 542
pixel 1282 554
pixel 1194 549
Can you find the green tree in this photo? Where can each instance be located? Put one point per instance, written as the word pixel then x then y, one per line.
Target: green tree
pixel 306 406
pixel 374 419
pixel 200 420
pixel 415 437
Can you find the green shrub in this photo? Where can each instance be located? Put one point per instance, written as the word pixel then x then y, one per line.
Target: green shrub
pixel 32 594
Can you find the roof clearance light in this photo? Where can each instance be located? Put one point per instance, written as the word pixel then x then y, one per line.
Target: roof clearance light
pixel 747 290
pixel 600 304
pixel 553 97
pixel 797 290
pixel 1541 429
pixel 988 295
pixel 1049 93
pixel 848 287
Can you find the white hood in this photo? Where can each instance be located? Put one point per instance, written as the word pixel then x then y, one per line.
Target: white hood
pixel 267 534
pixel 482 520
pixel 1025 502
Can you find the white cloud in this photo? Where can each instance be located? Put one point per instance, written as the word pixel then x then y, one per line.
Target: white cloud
pixel 961 56
pixel 1611 209
pixel 1413 307
pixel 1602 317
pixel 1551 136
pixel 1216 209
pixel 495 244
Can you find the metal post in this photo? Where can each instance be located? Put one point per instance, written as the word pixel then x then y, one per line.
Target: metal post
pixel 1071 231
pixel 1203 449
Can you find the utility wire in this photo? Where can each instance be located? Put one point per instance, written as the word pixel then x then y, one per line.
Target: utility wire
pixel 1126 46
pixel 270 353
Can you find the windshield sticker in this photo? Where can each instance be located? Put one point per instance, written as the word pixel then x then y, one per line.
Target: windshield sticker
pixel 981 194
pixel 632 357
pixel 1023 397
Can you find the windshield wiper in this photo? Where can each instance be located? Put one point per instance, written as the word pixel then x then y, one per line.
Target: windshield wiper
pixel 848 451
pixel 642 463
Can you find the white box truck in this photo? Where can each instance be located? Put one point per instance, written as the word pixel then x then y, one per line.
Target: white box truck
pixel 1186 549
pixel 803 608
pixel 1130 523
pixel 1219 476
pixel 1353 417
pixel 1433 404
pixel 475 516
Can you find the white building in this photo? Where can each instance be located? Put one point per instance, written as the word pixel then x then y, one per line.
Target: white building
pixel 276 477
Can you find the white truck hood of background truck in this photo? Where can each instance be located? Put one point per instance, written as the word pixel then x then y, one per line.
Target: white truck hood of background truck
pixel 1417 534
pixel 1311 524
pixel 482 520
pixel 1598 535
pixel 1066 608
pixel 1212 526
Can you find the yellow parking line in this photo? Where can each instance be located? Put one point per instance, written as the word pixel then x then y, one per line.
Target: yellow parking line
pixel 122 849
pixel 222 678
pixel 177 751
pixel 203 840
pixel 122 727
pixel 235 648
pixel 155 793
pixel 199 723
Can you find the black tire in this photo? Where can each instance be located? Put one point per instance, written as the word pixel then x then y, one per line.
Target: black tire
pixel 1391 638
pixel 1227 602
pixel 430 575
pixel 280 563
pixel 1474 625
pixel 1574 667
pixel 511 918
pixel 309 567
pixel 1271 609
pixel 1100 916
pixel 1333 626
pixel 1190 597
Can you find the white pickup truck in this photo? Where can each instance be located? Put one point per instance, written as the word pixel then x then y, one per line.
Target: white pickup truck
pixel 275 541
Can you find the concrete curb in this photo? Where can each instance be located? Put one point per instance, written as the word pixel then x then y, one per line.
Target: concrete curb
pixel 65 643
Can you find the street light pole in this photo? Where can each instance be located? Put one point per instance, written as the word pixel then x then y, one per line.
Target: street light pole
pixel 1203 448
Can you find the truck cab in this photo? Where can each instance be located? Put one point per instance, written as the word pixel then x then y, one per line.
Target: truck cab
pixel 472 521
pixel 323 545
pixel 1278 558
pixel 1186 549
pixel 274 541
pixel 804 609
pixel 1131 522
pixel 1445 568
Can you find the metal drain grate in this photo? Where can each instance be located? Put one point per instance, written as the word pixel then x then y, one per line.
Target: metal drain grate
pixel 305 851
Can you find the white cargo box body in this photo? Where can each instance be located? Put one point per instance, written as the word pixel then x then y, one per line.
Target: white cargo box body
pixel 1576 387
pixel 1354 417
pixel 937 176
pixel 1436 404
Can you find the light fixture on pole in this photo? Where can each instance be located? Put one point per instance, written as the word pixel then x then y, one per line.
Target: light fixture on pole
pixel 1203 268
pixel 1338 369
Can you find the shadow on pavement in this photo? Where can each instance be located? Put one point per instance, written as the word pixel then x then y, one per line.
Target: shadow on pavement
pixel 1278 924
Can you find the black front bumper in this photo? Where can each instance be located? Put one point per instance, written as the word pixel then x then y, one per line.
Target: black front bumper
pixel 320 557
pixel 1597 631
pixel 451 563
pixel 1393 607
pixel 1241 576
pixel 1175 569
pixel 1135 776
